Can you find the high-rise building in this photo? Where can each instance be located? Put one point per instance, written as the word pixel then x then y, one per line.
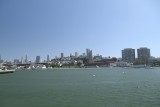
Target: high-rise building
pixel 143 55
pixel 22 60
pixel 84 54
pixel 76 54
pixel 1 61
pixel 26 60
pixel 48 58
pixel 37 59
pixel 128 55
pixel 62 55
pixel 89 55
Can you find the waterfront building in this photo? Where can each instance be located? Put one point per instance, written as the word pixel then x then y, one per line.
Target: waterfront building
pixel 123 64
pixel 97 58
pixel 128 55
pixel 143 55
pixel 37 59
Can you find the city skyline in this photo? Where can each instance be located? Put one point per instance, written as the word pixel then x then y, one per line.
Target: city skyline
pixel 88 54
pixel 41 28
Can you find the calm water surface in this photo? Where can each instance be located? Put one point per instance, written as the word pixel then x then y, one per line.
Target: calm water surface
pixel 101 87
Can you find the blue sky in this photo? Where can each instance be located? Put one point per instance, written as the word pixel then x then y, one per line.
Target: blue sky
pixel 42 27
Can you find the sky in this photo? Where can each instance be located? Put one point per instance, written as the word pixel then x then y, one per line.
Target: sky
pixel 49 27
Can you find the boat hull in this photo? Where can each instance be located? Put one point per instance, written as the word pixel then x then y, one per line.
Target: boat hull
pixel 6 72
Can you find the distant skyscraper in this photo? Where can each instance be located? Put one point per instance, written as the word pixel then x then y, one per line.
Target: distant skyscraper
pixel 37 59
pixel 89 55
pixel 62 55
pixel 48 58
pixel 71 55
pixel 22 60
pixel 84 54
pixel 26 60
pixel 76 54
pixel 128 55
pixel 1 61
pixel 143 55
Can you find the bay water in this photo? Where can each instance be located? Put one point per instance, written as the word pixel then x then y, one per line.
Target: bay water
pixel 84 87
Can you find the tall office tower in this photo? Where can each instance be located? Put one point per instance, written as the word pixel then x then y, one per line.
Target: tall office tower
pixel 143 55
pixel 89 55
pixel 48 58
pixel 76 54
pixel 128 55
pixel 26 60
pixel 21 60
pixel 1 61
pixel 37 59
pixel 62 55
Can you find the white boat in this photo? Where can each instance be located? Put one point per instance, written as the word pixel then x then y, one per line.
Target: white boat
pixel 6 71
pixel 43 67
